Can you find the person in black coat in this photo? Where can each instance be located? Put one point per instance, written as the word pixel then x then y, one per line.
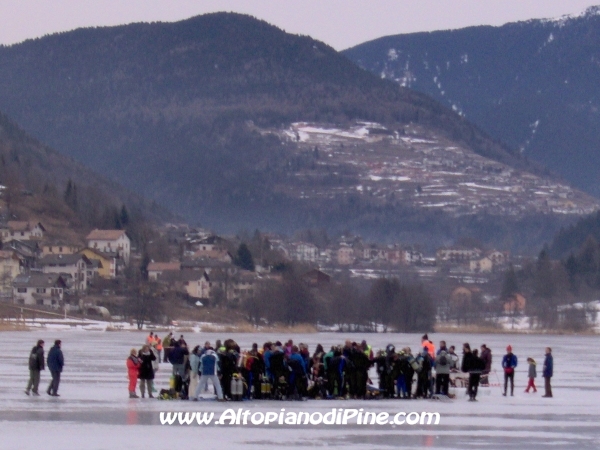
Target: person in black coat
pixel 424 374
pixel 473 365
pixel 146 372
pixel 36 365
pixel 360 375
pixel 228 361
pixel 56 362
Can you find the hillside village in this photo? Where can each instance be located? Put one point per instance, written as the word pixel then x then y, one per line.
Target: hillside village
pixel 422 169
pixel 60 275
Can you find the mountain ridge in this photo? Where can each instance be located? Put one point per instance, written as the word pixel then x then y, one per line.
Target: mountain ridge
pixel 175 112
pixel 529 84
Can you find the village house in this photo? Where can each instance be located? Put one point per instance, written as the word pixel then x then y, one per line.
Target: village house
pixel 516 304
pixel 482 265
pixel 93 271
pixel 156 269
pixel 302 251
pixel 59 248
pixel 217 254
pixel 411 256
pixel 193 283
pixel 498 258
pixel 74 265
pixel 208 265
pixel 457 254
pixel 210 246
pixel 394 254
pixel 27 251
pixel 373 253
pixel 108 266
pixel 243 285
pixel 10 269
pixel 110 241
pixel 39 289
pixel 22 230
pixel 345 255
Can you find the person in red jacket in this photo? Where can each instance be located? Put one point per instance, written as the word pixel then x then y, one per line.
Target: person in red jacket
pixel 133 369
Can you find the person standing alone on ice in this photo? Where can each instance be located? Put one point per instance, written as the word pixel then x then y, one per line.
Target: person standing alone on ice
pixel 133 369
pixel 56 362
pixel 509 362
pixel 36 365
pixel 548 372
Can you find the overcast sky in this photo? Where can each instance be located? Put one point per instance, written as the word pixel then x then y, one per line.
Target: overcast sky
pixel 339 23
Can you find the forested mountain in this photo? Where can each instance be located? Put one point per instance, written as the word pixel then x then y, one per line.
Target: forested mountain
pixel 190 114
pixel 532 85
pixel 38 183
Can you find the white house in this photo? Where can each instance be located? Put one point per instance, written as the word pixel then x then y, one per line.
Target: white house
pixel 482 265
pixel 44 289
pixel 305 252
pixel 22 231
pixel 75 265
pixel 110 241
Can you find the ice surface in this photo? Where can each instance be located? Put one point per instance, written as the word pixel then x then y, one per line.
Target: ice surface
pixel 94 411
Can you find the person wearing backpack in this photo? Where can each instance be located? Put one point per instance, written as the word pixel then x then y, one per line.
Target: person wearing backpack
pixel 442 373
pixel 509 362
pixel 36 365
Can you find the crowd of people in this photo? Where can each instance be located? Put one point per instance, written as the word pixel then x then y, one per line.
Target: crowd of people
pixel 289 371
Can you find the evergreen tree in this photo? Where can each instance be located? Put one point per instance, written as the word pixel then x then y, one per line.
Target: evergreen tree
pixel 70 195
pixel 510 285
pixel 244 258
pixel 124 216
pixel 117 220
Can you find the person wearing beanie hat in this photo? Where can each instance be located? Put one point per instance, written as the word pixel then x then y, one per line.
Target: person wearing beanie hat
pixel 509 362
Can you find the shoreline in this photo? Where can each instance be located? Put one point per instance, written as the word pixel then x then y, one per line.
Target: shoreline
pixel 298 329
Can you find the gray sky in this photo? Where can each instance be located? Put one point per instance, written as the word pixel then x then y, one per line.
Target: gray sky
pixel 339 23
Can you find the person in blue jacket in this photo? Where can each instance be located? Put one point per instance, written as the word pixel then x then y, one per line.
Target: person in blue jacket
pixel 509 362
pixel 56 362
pixel 548 372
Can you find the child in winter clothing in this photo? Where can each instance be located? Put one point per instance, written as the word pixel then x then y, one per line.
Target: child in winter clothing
pixel 532 375
pixel 133 369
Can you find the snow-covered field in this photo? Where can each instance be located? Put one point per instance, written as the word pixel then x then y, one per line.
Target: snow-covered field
pixel 94 411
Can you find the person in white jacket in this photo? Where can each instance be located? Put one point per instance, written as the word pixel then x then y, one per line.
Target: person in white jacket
pixel 209 370
pixel 194 366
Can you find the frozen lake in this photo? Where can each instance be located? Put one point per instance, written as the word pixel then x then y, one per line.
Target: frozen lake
pixel 94 412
